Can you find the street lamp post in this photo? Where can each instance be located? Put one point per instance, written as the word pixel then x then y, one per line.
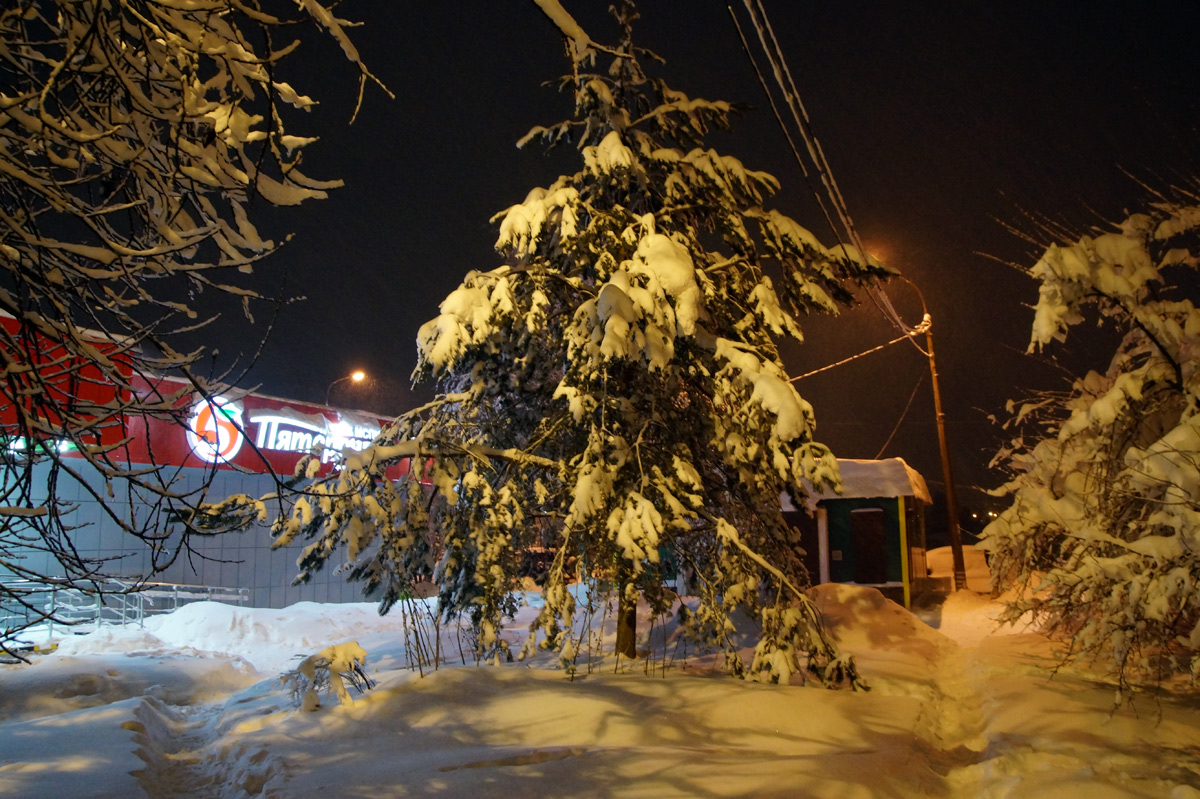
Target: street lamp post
pixel 956 547
pixel 356 377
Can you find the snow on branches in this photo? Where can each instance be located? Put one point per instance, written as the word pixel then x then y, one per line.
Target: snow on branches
pixel 134 136
pixel 1104 520
pixel 613 397
pixel 327 672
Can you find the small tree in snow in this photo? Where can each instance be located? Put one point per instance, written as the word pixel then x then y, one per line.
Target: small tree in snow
pixel 612 394
pixel 1103 530
pixel 134 137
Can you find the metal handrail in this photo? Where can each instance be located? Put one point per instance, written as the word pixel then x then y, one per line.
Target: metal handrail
pixel 115 603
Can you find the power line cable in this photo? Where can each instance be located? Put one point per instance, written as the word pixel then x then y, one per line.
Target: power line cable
pixel 783 78
pixel 844 361
pixel 881 300
pixel 804 122
pixel 787 134
pixel 903 415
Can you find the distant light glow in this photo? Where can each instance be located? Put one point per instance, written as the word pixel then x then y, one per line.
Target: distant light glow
pixel 20 444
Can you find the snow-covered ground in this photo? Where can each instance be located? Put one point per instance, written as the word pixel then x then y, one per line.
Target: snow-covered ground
pixel 192 706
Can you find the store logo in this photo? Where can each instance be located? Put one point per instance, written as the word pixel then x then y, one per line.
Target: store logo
pixel 292 431
pixel 214 429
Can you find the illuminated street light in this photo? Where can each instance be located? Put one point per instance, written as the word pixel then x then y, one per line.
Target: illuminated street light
pixel 356 376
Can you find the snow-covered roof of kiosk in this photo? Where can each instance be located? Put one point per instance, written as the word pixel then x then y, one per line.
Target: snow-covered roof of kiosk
pixel 866 479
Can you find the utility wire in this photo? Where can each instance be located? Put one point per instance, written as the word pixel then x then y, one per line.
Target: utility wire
pixel 783 78
pixel 844 361
pixel 788 86
pixel 903 414
pixel 787 134
pixel 818 155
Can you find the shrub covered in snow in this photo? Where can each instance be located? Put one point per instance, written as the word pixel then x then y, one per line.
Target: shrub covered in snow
pixel 327 672
pixel 1104 520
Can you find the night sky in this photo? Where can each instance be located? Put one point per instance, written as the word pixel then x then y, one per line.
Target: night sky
pixel 945 125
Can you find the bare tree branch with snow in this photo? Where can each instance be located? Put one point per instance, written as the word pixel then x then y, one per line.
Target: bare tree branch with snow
pixel 1102 536
pixel 135 136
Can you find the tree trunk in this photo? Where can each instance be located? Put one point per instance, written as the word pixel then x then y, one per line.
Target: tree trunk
pixel 626 613
pixel 626 627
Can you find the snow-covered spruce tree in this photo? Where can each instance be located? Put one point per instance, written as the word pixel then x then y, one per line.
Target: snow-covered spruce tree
pixel 611 394
pixel 1103 530
pixel 135 135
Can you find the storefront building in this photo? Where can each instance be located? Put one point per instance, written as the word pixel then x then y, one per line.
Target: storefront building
pixel 234 444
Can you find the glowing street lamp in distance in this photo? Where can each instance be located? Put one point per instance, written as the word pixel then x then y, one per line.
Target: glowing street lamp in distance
pixel 357 376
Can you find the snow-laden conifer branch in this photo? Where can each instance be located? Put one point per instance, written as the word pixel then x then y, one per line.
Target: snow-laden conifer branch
pixel 609 390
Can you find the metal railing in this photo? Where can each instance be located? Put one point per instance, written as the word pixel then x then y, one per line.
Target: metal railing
pixel 110 603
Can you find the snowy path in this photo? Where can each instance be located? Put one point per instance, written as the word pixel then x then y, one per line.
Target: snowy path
pixel 210 750
pixel 170 741
pixel 89 726
pixel 1011 727
pixel 1059 735
pixel 957 712
pixel 953 723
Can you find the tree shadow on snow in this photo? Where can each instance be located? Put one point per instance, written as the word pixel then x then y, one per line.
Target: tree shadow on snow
pixel 510 731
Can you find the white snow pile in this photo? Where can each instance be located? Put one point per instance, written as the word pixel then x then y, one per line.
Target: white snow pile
pixel 193 706
pixel 271 640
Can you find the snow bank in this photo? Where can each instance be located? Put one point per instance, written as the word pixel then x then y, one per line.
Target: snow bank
pixel 271 640
pixel 890 644
pixel 84 753
pixel 940 562
pixel 523 732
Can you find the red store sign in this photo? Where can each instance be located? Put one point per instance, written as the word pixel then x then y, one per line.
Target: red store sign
pixel 248 432
pixel 251 432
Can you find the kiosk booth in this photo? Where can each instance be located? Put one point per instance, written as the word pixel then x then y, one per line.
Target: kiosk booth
pixel 872 533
